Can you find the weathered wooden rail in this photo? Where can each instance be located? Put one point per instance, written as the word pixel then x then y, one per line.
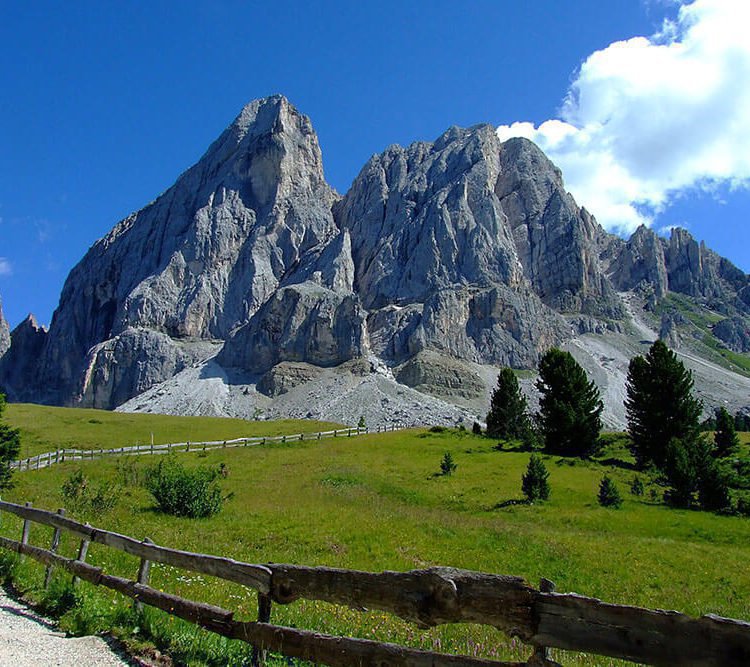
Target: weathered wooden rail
pixel 67 455
pixel 434 596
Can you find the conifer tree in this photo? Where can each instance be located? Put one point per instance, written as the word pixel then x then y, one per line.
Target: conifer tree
pixel 660 404
pixel 609 494
pixel 535 481
pixel 570 406
pixel 508 417
pixel 725 436
pixel 10 446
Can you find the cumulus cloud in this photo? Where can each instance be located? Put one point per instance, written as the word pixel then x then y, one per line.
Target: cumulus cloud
pixel 5 268
pixel 648 118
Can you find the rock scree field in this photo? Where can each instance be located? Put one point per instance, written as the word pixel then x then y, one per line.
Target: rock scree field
pixel 378 502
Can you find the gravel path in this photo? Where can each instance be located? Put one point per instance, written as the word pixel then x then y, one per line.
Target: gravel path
pixel 29 640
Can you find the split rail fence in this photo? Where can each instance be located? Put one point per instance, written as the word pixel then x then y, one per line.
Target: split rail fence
pixel 438 595
pixel 66 455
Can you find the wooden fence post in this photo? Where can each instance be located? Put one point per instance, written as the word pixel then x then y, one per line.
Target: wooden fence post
pixel 540 657
pixel 53 548
pixel 83 550
pixel 264 616
pixel 26 528
pixel 144 572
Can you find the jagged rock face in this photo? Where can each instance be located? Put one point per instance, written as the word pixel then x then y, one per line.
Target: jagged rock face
pixel 439 375
pixel 4 333
pixel 286 376
pixel 128 364
pixel 423 218
pixel 19 363
pixel 735 333
pixel 301 322
pixel 202 258
pixel 454 241
pixel 557 243
pixel 699 272
pixel 641 262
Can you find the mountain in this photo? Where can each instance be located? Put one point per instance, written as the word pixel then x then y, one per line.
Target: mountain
pixel 4 333
pixel 250 287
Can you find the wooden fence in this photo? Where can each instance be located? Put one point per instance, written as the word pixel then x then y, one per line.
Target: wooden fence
pixel 62 455
pixel 438 595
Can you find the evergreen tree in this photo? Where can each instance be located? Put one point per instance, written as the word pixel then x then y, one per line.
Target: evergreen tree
pixel 508 417
pixel 609 494
pixel 570 406
pixel 10 446
pixel 725 436
pixel 535 481
pixel 660 405
pixel 682 472
pixel 447 465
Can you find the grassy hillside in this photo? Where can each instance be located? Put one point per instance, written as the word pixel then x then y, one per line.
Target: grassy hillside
pixel 45 429
pixel 376 503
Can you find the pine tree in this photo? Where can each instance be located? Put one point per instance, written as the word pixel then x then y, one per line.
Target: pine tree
pixel 609 494
pixel 447 465
pixel 725 436
pixel 10 446
pixel 535 481
pixel 508 417
pixel 570 406
pixel 660 405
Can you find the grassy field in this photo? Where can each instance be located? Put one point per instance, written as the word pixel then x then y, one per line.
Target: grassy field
pixel 45 429
pixel 376 502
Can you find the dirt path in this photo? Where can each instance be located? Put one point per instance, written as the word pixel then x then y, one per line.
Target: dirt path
pixel 29 640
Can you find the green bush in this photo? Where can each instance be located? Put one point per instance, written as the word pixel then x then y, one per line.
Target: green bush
pixel 535 482
pixel 609 494
pixel 447 465
pixel 636 486
pixel 180 491
pixel 476 428
pixel 80 495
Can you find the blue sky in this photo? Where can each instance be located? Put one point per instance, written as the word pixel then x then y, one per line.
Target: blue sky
pixel 103 105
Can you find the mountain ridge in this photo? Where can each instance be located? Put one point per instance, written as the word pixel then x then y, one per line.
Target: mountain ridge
pixel 465 247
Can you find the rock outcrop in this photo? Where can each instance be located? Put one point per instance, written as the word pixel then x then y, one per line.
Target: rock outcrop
pixel 19 363
pixel 641 263
pixel 4 333
pixel 734 332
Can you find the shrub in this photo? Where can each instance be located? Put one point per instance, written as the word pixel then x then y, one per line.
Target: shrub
pixel 636 486
pixel 535 481
pixel 609 494
pixel 361 423
pixel 476 428
pixel 84 497
pixel 447 465
pixel 725 437
pixel 180 491
pixel 10 446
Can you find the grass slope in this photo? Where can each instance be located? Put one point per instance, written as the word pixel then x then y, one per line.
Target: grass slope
pixel 376 503
pixel 45 429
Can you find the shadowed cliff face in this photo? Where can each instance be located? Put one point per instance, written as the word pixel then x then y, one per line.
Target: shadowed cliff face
pixel 466 247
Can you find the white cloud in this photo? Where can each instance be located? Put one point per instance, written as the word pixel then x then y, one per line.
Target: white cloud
pixel 648 118
pixel 5 268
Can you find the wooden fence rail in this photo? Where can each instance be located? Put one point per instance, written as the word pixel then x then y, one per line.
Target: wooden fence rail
pixel 437 595
pixel 47 459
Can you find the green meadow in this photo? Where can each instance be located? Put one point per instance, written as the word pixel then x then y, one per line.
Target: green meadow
pixel 45 428
pixel 376 503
